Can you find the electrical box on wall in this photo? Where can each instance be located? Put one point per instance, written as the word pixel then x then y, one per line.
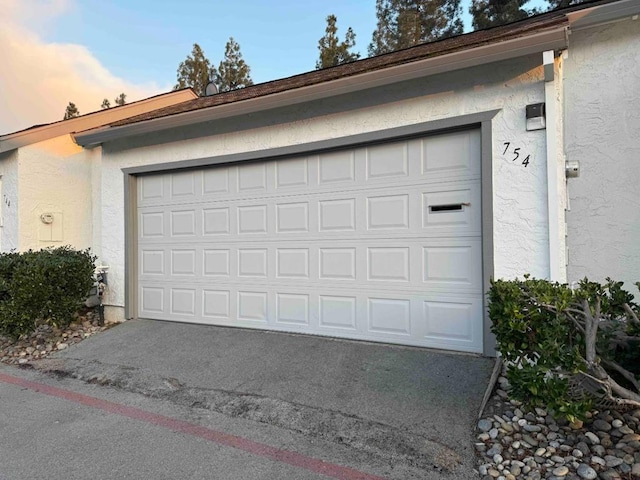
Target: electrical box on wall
pixel 50 227
pixel 535 115
pixel 572 169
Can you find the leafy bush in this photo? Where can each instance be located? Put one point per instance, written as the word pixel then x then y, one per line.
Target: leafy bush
pixel 42 286
pixel 566 349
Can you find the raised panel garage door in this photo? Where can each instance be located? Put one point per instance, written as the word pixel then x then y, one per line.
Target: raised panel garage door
pixel 379 242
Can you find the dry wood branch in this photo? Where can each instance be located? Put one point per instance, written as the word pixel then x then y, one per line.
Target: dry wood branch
pixel 622 392
pixel 633 318
pixel 591 331
pixel 622 339
pixel 602 391
pixel 630 377
pixel 576 322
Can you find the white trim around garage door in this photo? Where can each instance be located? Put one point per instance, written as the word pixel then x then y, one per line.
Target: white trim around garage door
pixel 481 120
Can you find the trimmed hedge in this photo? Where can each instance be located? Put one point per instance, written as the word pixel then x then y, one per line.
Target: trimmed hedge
pixel 43 286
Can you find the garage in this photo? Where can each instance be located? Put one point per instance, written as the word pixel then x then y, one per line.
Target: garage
pixel 379 242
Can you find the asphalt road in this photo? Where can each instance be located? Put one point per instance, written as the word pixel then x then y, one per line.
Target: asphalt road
pixel 62 428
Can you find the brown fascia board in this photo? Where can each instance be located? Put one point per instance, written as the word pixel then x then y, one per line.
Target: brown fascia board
pixel 538 33
pixel 39 133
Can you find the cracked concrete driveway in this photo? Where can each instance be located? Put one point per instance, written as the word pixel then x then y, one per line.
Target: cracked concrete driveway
pixel 410 409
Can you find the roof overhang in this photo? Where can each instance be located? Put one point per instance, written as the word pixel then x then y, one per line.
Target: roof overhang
pixel 602 14
pixel 549 39
pixel 97 119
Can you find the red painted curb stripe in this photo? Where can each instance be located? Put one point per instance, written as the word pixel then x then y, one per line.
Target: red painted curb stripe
pixel 233 441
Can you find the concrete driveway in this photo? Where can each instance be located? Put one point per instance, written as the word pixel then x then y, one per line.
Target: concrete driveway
pixel 404 407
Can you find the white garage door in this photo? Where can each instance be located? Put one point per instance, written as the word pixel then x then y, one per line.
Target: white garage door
pixel 380 242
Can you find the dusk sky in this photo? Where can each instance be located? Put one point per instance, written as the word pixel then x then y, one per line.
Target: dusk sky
pixel 57 51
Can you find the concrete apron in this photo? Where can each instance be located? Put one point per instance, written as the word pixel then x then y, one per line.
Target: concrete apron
pixel 403 404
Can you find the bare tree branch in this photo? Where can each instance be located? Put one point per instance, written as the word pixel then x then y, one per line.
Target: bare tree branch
pixel 633 318
pixel 623 392
pixel 622 371
pixel 591 332
pixel 576 322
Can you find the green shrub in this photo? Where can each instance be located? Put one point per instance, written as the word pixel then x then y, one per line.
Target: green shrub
pixel 542 329
pixel 42 286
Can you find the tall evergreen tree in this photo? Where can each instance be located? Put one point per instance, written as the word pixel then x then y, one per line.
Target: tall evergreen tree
pixel 71 111
pixel 404 23
pixel 105 104
pixel 332 51
pixel 233 71
pixel 491 13
pixel 553 4
pixel 120 100
pixel 196 71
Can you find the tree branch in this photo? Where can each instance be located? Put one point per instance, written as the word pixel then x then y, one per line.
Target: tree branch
pixel 622 371
pixel 633 318
pixel 575 322
pixel 622 339
pixel 623 392
pixel 625 397
pixel 591 331
pixel 566 311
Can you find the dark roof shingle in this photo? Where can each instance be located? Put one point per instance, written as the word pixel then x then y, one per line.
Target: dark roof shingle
pixel 427 50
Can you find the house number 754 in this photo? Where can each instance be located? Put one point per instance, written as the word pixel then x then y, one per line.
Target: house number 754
pixel 514 154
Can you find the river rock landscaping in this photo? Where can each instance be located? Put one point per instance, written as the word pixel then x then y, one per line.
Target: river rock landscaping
pixel 47 339
pixel 514 443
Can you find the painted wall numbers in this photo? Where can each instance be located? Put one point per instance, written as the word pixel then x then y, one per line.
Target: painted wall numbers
pixel 515 155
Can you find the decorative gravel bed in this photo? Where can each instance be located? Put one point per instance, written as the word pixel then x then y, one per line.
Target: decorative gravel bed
pixel 47 339
pixel 514 443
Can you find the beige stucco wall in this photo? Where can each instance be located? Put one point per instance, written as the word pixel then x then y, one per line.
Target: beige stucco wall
pixel 602 124
pixel 519 200
pixel 55 177
pixel 9 201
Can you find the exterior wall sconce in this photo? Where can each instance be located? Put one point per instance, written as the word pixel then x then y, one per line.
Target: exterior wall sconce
pixel 536 117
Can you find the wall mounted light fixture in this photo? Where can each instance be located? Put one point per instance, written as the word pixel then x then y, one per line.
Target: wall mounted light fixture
pixel 536 116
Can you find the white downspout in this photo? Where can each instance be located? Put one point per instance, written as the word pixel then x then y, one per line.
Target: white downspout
pixel 553 201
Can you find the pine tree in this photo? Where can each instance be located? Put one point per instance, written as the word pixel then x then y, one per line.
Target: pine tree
pixel 404 23
pixel 120 100
pixel 196 71
pixel 553 4
pixel 105 104
pixel 233 71
pixel 491 13
pixel 71 111
pixel 332 51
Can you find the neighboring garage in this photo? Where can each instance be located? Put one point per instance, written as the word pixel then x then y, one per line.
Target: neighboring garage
pixel 379 242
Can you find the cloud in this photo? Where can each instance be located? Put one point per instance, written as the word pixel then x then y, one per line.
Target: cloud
pixel 38 79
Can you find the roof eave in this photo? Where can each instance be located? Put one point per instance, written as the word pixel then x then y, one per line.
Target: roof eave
pixel 552 38
pixel 23 138
pixel 610 12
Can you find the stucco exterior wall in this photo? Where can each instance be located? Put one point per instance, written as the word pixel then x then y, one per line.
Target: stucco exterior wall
pixel 9 201
pixel 602 123
pixel 519 201
pixel 55 177
pixel 96 200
